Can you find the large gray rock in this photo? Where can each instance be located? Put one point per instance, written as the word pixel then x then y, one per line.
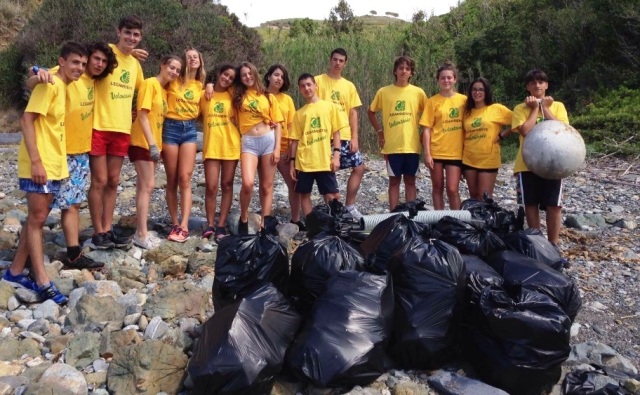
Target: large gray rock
pixel 48 310
pixel 13 349
pixel 176 300
pixel 6 292
pixel 83 349
pixel 600 354
pixel 61 378
pixel 147 368
pixel 167 250
pixel 198 259
pixel 95 309
pixel 585 221
pixel 110 258
pixel 175 265
pixel 102 288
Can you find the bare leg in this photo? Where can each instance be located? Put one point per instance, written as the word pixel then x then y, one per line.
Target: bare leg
pixel 228 174
pixel 472 182
pixel 533 216
pixel 394 192
pixel 486 183
pixel 98 166
pixel 248 167
pixel 170 159
pixel 554 221
pixel 71 225
pixel 186 163
pixel 294 197
pixel 437 183
pixel 211 177
pixel 144 187
pixel 114 166
pixel 305 199
pixel 353 184
pixel 266 174
pixel 410 191
pixel 453 174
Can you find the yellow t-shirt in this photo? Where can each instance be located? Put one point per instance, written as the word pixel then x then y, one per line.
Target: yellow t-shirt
pixel 256 108
pixel 49 102
pixel 313 126
pixel 114 95
pixel 401 107
pixel 444 116
pixel 221 137
pixel 153 98
pixel 341 92
pixel 287 108
pixel 184 101
pixel 481 128
pixel 520 114
pixel 78 120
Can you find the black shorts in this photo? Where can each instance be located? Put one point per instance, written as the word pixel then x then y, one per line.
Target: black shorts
pixel 467 167
pixel 326 180
pixel 402 164
pixel 534 190
pixel 449 162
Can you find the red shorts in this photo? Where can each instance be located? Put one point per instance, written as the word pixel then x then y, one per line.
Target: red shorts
pixel 139 153
pixel 109 143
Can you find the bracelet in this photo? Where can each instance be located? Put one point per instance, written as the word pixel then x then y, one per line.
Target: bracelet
pixel 500 136
pixel 292 159
pixel 336 150
pixel 380 131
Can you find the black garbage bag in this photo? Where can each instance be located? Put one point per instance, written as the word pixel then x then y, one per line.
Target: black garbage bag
pixel 520 343
pixel 468 237
pixel 245 262
pixel 242 346
pixel 412 207
pixel 386 238
pixel 429 286
pixel 331 218
pixel 314 262
pixel 532 243
pixel 585 382
pixel 479 275
pixel 343 343
pixel 498 220
pixel 520 271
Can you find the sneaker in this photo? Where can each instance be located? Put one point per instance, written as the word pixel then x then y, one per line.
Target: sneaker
pixel 148 243
pixel 180 236
pixel 208 232
pixel 175 229
pixel 20 281
pixel 101 241
pixel 83 262
pixel 51 292
pixel 221 233
pixel 119 241
pixel 301 226
pixel 243 227
pixel 357 215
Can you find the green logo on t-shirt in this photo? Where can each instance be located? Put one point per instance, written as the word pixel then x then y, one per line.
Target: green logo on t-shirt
pixel 315 123
pixel 454 112
pixel 253 105
pixel 125 77
pixel 335 95
pixel 219 108
pixel 90 95
pixel 188 94
pixel 165 107
pixel 400 105
pixel 476 123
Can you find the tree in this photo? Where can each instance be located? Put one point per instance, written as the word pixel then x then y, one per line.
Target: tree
pixel 303 26
pixel 393 14
pixel 342 19
pixel 373 12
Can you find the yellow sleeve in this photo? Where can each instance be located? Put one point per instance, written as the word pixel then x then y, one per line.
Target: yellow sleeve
pixel 274 110
pixel 139 75
pixel 354 98
pixel 520 115
pixel 296 128
pixel 428 118
pixel 561 113
pixel 375 105
pixel 423 100
pixel 292 109
pixel 504 116
pixel 145 96
pixel 40 100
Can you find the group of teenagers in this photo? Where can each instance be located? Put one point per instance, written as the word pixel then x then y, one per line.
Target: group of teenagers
pixel 78 127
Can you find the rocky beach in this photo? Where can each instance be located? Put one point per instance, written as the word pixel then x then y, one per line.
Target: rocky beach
pixel 131 327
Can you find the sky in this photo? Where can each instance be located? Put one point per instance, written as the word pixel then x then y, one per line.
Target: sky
pixel 254 12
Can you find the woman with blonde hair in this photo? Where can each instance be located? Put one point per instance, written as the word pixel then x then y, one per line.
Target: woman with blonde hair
pixel 259 121
pixel 179 136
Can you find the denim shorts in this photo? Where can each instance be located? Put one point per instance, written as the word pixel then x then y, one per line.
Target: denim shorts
pixel 73 189
pixel 259 145
pixel 27 185
pixel 179 132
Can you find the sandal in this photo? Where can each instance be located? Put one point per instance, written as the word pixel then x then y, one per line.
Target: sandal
pixel 220 234
pixel 208 232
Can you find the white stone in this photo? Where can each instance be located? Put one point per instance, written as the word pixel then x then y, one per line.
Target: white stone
pixel 34 336
pixel 13 303
pixel 575 328
pixel 155 329
pixel 100 365
pixel 132 319
pixel 25 323
pixel 34 362
pixel 48 310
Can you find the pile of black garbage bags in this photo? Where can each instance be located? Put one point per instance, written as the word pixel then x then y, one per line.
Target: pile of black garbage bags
pixel 409 295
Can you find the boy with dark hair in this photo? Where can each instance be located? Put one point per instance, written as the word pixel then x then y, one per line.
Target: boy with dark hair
pixel 314 131
pixel 401 104
pixel 42 164
pixel 342 92
pixel 80 98
pixel 533 190
pixel 111 132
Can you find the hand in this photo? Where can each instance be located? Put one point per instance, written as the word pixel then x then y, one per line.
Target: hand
pixel 140 54
pixel 428 161
pixel 532 102
pixel 275 158
pixel 154 152
pixel 292 171
pixel 45 77
pixel 208 91
pixel 354 145
pixel 38 173
pixel 335 163
pixel 381 140
pixel 547 101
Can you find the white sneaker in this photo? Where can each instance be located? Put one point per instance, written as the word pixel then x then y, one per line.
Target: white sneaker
pixel 148 243
pixel 357 215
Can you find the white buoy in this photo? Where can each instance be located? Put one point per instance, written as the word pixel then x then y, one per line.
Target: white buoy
pixel 553 150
